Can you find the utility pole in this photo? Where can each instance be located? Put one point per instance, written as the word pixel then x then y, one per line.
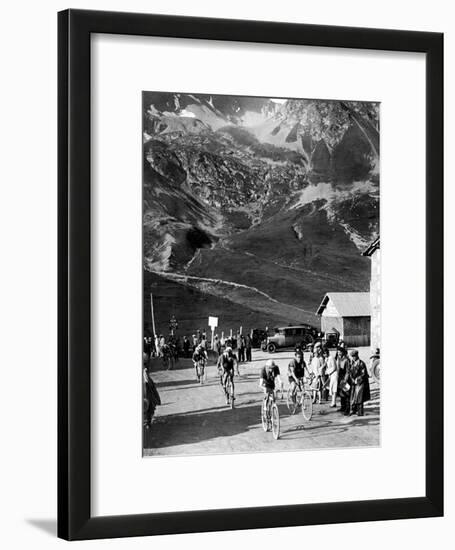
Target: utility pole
pixel 155 335
pixel 153 314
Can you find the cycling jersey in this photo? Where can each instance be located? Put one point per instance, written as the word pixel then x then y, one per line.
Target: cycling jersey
pixel 227 362
pixel 199 356
pixel 268 376
pixel 297 368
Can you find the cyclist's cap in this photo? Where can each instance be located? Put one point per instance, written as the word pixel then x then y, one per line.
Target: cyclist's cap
pixel 270 363
pixel 228 349
pixel 354 353
pixel 317 345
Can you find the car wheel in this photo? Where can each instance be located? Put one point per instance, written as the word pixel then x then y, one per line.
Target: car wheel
pixel 271 348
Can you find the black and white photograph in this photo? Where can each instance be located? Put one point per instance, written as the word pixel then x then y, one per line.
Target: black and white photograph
pixel 261 274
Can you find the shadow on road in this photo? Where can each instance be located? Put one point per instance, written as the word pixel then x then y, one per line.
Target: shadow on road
pixel 221 422
pixel 203 425
pixel 173 384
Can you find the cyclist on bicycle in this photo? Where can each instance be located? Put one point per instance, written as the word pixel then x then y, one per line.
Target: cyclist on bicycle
pixel 227 361
pixel 199 358
pixel 297 370
pixel 270 378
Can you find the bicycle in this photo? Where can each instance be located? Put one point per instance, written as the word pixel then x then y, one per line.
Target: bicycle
pixel 200 371
pixel 297 396
pixel 227 389
pixel 270 417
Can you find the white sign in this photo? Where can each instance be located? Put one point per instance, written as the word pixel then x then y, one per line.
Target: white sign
pixel 213 322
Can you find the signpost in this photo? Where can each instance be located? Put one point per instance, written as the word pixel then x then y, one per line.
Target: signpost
pixel 173 325
pixel 213 323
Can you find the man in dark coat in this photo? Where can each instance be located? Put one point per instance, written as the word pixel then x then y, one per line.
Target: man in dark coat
pixel 248 345
pixel 241 346
pixel 360 392
pixel 151 397
pixel 186 346
pixel 344 386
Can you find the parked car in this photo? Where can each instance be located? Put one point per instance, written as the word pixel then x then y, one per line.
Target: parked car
pixel 287 337
pixel 331 339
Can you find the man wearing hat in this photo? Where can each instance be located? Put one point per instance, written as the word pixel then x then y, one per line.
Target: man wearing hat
pixel 344 386
pixel 360 385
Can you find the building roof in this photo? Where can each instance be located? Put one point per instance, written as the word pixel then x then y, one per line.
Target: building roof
pixel 348 304
pixel 369 251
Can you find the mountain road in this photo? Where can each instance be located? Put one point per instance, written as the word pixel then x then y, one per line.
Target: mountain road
pixel 194 419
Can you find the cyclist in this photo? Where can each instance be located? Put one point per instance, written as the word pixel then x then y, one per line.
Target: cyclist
pixel 226 364
pixel 199 358
pixel 297 370
pixel 270 378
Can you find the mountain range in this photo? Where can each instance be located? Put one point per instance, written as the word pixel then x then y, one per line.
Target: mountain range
pixel 254 208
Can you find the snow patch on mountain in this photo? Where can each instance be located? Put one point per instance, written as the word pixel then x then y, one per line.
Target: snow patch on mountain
pixel 330 192
pixel 360 242
pixel 162 254
pixel 187 113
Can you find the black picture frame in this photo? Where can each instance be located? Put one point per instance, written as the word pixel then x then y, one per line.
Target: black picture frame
pixel 75 521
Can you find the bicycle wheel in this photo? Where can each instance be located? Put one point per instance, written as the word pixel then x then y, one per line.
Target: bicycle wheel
pixel 201 374
pixel 307 405
pixel 231 393
pixel 264 419
pixel 275 421
pixel 291 400
pixel 377 372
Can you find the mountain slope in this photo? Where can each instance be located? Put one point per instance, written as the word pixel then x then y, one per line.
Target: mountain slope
pixel 263 205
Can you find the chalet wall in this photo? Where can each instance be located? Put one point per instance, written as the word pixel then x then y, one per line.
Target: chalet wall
pixel 356 331
pixel 375 298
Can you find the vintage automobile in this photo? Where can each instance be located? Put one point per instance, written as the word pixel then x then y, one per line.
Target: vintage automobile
pixel 287 337
pixel 331 339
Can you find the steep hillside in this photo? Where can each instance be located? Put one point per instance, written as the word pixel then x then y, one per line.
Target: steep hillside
pixel 262 205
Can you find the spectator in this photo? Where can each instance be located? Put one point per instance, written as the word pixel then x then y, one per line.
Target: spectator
pixel 147 348
pixel 217 345
pixel 186 346
pixel 234 343
pixel 332 374
pixel 151 397
pixel 248 347
pixel 317 369
pixel 360 386
pixel 162 343
pixel 344 387
pixel 203 342
pixel 195 342
pixel 241 348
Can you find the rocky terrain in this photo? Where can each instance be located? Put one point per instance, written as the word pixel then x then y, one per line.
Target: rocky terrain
pixel 255 208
